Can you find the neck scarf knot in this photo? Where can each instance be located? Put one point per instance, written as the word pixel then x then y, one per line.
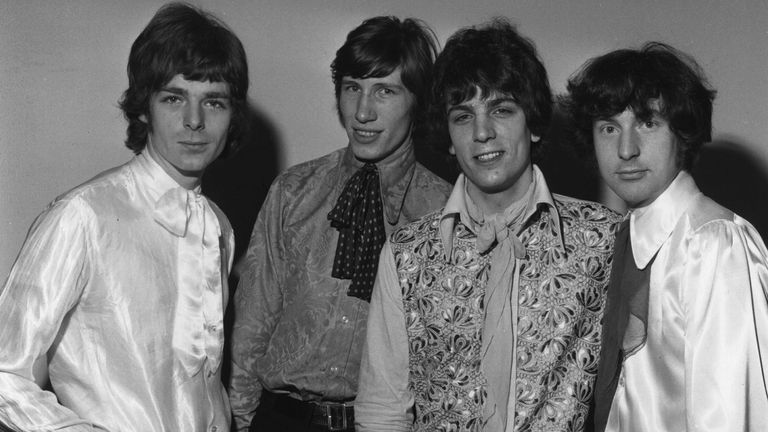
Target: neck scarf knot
pixel 358 216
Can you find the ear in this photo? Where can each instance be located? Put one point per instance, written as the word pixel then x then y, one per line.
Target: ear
pixel 143 118
pixel 535 138
pixel 452 150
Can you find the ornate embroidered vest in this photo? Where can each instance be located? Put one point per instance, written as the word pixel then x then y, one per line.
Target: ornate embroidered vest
pixel 560 304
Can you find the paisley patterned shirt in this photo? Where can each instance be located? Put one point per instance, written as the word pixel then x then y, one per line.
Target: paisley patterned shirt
pixel 296 330
pixel 438 339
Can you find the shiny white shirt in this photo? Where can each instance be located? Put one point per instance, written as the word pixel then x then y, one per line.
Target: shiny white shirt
pixel 104 291
pixel 703 365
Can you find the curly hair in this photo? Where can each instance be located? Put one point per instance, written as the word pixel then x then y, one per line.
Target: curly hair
pixel 493 58
pixel 654 78
pixel 181 39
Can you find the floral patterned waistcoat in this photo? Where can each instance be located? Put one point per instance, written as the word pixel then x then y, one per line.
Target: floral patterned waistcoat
pixel 560 305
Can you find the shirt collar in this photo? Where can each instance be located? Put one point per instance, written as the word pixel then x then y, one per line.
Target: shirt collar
pixel 395 174
pixel 650 226
pixel 456 208
pixel 155 181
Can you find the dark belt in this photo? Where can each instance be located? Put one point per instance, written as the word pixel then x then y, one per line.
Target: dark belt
pixel 330 415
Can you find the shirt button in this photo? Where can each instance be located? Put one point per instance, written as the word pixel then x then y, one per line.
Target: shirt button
pixel 214 428
pixel 334 370
pixel 344 319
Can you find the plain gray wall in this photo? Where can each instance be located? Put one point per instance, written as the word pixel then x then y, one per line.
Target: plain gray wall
pixel 62 71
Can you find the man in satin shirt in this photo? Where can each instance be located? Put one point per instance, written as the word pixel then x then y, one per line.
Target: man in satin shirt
pixel 302 301
pixel 119 290
pixel 485 315
pixel 686 324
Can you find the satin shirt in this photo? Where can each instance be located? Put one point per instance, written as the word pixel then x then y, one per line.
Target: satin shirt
pixel 296 330
pixel 94 290
pixel 703 365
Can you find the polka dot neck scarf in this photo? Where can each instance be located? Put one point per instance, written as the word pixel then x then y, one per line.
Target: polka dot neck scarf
pixel 358 217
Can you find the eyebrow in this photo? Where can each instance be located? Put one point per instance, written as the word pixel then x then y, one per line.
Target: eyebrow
pixel 350 80
pixel 492 102
pixel 206 95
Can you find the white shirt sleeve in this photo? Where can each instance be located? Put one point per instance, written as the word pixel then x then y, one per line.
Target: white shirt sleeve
pixel 44 284
pixel 726 312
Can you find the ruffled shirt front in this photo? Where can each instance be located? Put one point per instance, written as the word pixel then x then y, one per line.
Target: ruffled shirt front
pixel 121 285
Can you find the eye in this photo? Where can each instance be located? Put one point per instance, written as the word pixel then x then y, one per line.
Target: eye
pixel 218 104
pixel 649 124
pixel 608 129
pixel 170 99
pixel 386 91
pixel 460 118
pixel 351 88
pixel 505 111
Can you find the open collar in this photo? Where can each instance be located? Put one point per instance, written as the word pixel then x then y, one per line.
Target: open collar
pixel 395 175
pixel 651 226
pixel 456 210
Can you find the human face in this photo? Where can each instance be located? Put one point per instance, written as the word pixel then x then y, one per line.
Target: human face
pixel 188 125
pixel 492 144
pixel 637 158
pixel 376 114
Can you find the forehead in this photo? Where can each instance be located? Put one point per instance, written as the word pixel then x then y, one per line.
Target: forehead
pixel 393 79
pixel 479 99
pixel 180 84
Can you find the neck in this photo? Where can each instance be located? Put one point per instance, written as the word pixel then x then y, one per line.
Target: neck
pixel 497 201
pixel 185 179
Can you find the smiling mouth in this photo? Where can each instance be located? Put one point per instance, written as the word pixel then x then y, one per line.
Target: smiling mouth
pixel 490 156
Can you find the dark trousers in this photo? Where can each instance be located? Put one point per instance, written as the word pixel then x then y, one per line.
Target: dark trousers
pixel 273 416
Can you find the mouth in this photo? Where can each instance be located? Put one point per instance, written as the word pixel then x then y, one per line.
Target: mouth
pixel 631 173
pixel 365 135
pixel 489 157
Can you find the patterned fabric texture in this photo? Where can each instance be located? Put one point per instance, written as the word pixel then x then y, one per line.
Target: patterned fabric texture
pixel 296 329
pixel 358 217
pixel 560 305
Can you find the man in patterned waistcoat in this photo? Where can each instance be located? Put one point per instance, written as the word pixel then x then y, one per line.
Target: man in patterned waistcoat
pixel 486 314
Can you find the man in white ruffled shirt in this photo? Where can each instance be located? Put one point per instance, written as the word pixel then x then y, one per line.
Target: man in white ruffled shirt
pixel 686 324
pixel 119 290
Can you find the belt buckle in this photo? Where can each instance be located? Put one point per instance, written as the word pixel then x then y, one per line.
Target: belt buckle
pixel 334 413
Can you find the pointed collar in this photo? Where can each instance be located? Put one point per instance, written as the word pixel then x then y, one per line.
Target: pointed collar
pixel 650 226
pixel 456 208
pixel 395 174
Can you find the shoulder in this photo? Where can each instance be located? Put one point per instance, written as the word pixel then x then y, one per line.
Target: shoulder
pixel 704 211
pixel 427 225
pixel 317 168
pixel 424 178
pixel 586 211
pixel 106 187
pixel 710 227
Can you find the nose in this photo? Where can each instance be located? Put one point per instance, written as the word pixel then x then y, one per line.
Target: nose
pixel 194 118
pixel 629 146
pixel 483 130
pixel 365 111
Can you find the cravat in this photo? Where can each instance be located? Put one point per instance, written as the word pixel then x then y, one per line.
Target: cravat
pixel 496 234
pixel 358 217
pixel 624 323
pixel 198 332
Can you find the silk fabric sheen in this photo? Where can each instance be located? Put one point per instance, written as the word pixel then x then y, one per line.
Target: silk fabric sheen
pixel 126 309
pixel 704 362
